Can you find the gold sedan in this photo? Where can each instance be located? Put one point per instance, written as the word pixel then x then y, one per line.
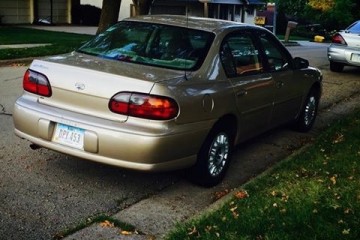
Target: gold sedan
pixel 166 92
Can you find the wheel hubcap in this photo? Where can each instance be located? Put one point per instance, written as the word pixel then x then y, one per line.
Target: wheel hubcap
pixel 310 110
pixel 218 154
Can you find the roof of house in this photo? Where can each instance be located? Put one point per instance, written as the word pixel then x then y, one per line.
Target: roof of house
pixel 239 2
pixel 205 24
pixel 235 2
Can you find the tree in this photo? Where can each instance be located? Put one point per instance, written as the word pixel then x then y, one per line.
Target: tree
pixel 323 5
pixel 142 6
pixel 332 14
pixel 110 12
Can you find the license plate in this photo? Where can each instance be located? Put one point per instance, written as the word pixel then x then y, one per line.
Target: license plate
pixel 355 57
pixel 69 136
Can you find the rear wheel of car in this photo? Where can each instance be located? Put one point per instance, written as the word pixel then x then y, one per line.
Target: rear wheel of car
pixel 213 158
pixel 307 116
pixel 336 67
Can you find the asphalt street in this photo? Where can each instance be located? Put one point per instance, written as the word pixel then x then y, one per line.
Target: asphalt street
pixel 44 193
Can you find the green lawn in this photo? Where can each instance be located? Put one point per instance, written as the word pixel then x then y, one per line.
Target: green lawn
pixel 314 194
pixel 60 42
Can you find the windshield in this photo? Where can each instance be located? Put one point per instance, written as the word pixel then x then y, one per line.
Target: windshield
pixel 152 44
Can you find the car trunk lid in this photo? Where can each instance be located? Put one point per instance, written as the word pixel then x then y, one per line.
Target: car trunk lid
pixel 352 39
pixel 84 84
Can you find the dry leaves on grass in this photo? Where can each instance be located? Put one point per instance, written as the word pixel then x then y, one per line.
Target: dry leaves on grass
pixel 333 180
pixel 338 138
pixel 193 231
pixel 241 194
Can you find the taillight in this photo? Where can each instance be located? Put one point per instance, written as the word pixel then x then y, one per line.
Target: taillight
pixel 37 83
pixel 337 38
pixel 144 106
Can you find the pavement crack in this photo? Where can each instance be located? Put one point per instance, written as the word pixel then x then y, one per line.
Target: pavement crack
pixel 3 111
pixel 12 79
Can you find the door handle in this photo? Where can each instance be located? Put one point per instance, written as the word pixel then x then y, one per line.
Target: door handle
pixel 242 92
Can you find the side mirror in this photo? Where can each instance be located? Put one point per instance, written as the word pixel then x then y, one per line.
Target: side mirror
pixel 300 63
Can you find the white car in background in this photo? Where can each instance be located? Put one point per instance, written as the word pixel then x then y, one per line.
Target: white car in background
pixel 345 48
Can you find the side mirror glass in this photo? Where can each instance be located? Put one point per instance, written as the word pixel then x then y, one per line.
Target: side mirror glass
pixel 300 63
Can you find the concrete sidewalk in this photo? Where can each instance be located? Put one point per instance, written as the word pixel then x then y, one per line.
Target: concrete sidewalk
pixel 90 30
pixel 7 46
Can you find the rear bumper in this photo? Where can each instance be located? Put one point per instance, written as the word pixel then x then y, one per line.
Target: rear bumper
pixel 344 54
pixel 150 147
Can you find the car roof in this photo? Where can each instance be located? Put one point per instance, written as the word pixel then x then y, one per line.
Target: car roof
pixel 200 23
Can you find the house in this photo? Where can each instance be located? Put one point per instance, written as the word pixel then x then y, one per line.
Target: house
pixel 30 11
pixel 49 11
pixel 60 11
pixel 233 10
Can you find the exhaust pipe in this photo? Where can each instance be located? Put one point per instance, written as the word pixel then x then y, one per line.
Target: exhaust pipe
pixel 34 146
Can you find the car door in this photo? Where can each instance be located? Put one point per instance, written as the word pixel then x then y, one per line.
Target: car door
pixel 288 88
pixel 253 87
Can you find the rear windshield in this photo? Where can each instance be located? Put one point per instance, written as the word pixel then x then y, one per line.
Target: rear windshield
pixel 354 28
pixel 152 44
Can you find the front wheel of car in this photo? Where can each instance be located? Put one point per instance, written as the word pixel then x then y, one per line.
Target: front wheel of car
pixel 307 116
pixel 336 67
pixel 213 158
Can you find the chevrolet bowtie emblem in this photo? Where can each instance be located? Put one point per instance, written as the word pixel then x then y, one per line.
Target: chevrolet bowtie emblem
pixel 80 86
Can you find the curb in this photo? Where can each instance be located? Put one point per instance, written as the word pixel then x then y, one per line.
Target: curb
pixel 9 62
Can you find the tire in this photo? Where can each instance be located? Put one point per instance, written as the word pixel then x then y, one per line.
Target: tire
pixel 336 67
pixel 307 116
pixel 213 158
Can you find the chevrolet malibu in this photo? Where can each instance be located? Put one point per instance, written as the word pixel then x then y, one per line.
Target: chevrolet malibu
pixel 164 92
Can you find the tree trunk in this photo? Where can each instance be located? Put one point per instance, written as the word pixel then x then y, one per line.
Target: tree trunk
pixel 142 6
pixel 109 14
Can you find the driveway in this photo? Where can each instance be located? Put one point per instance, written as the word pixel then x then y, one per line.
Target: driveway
pixel 44 193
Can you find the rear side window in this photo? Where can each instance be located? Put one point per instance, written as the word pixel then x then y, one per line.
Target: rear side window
pixel 239 55
pixel 276 57
pixel 354 28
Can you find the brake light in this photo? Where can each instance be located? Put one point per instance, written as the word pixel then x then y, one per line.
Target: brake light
pixel 144 106
pixel 37 83
pixel 337 38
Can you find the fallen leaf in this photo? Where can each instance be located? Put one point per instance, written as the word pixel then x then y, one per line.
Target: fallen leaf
pixel 333 180
pixel 241 194
pixel 106 224
pixel 192 231
pixel 126 233
pixel 220 194
pixel 234 212
pixel 338 138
